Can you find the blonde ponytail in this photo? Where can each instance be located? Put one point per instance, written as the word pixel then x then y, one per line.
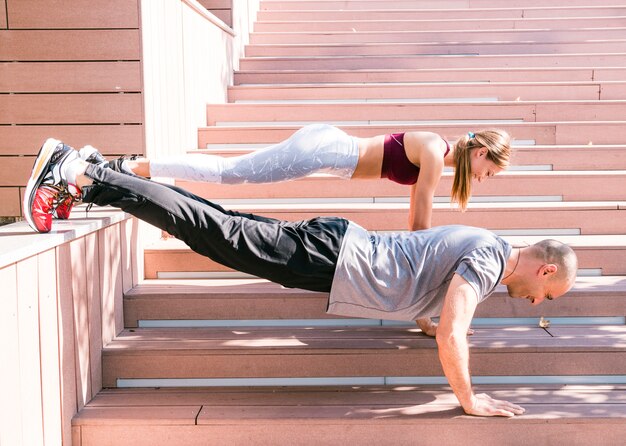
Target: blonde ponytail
pixel 497 142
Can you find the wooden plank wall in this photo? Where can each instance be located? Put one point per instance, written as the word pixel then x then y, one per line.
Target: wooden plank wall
pixel 69 69
pixel 57 309
pixel 222 9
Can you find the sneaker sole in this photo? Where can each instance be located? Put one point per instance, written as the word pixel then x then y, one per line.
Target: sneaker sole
pixel 39 168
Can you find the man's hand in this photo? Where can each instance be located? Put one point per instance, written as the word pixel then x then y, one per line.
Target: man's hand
pixel 429 328
pixel 485 406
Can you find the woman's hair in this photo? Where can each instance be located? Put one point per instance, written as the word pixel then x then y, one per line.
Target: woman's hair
pixel 498 145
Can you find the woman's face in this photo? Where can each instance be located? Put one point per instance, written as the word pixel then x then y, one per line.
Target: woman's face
pixel 481 166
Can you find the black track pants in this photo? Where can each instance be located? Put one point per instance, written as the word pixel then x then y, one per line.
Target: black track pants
pixel 294 254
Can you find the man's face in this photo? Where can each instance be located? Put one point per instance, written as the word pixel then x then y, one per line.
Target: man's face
pixel 536 287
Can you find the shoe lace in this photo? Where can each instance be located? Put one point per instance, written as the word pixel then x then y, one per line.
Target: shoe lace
pixel 62 196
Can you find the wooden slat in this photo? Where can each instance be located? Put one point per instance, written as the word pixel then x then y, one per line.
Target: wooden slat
pixel 60 45
pixel 78 263
pixel 73 14
pixel 109 139
pixel 216 4
pixel 438 14
pixel 10 202
pixel 225 15
pixel 71 109
pixel 67 350
pixel 345 395
pixel 416 35
pixel 10 414
pixel 296 25
pixel 69 77
pixel 49 340
pixel 256 299
pixel 111 282
pixel 3 16
pixel 503 91
pixel 448 7
pixel 92 271
pixel 30 359
pixel 499 61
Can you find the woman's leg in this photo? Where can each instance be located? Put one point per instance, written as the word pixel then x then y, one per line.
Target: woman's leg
pixel 314 148
pixel 294 254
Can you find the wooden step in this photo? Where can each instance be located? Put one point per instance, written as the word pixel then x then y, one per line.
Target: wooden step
pixel 454 49
pixel 365 112
pixel 568 185
pixel 398 34
pixel 542 133
pixel 460 93
pixel 595 218
pixel 600 58
pixel 258 299
pixel 439 9
pixel 364 415
pixel 583 158
pixel 323 77
pixel 162 353
pixel 605 254
pixel 295 25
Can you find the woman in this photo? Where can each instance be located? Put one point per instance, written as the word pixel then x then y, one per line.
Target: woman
pixel 414 158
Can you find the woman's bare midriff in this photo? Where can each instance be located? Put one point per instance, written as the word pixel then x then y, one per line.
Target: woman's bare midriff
pixel 370 157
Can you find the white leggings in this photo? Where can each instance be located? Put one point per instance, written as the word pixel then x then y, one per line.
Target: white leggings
pixel 314 148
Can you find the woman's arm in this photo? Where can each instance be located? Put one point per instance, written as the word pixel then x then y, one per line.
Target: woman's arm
pixel 423 191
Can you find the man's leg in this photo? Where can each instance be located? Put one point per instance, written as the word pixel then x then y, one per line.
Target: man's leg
pixel 299 254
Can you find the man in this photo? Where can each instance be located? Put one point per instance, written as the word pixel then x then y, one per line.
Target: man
pixel 443 271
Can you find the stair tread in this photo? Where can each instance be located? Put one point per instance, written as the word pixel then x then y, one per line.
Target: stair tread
pixel 617 241
pixel 227 287
pixel 410 404
pixel 362 340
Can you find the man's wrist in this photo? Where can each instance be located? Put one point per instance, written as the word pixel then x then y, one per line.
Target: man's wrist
pixel 468 403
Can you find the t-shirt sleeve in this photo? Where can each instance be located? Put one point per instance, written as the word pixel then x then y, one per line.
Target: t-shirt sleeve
pixel 481 268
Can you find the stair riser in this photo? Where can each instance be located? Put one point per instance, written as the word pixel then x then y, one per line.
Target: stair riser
pixel 609 261
pixel 559 133
pixel 581 158
pixel 365 113
pixel 430 75
pixel 444 7
pixel 407 35
pixel 313 306
pixel 307 432
pixel 591 222
pixel 573 187
pixel 425 61
pixel 410 49
pixel 451 24
pixel 259 363
pixel 592 91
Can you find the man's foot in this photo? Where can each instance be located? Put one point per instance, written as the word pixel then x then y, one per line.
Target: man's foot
pixel 47 186
pixel 91 155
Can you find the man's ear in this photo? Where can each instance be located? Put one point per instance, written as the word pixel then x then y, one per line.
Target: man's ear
pixel 549 269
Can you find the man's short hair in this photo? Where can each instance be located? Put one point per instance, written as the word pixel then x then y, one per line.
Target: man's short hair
pixel 564 257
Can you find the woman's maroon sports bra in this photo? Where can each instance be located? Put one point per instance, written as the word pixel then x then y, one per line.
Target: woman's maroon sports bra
pixel 396 166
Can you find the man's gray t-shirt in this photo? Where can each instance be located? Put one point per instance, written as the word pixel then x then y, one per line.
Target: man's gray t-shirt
pixel 405 276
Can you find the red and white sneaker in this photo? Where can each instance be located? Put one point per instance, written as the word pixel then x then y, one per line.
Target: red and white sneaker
pixel 47 186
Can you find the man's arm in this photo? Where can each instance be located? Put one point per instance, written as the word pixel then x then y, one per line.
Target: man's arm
pixel 456 316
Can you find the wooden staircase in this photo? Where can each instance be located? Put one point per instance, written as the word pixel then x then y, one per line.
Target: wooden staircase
pixel 211 356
